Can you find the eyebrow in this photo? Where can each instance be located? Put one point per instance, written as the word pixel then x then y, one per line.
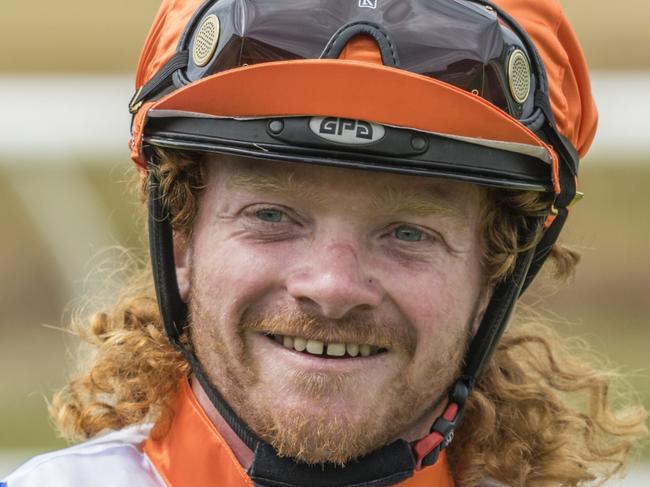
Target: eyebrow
pixel 420 201
pixel 284 184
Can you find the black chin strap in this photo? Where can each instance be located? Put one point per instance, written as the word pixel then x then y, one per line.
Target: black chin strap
pixel 500 309
pixel 492 325
pixel 386 466
pixel 174 311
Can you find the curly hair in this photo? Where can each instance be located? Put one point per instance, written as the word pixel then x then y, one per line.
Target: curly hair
pixel 540 414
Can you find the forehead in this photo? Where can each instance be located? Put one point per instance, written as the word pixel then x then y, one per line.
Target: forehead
pixel 382 190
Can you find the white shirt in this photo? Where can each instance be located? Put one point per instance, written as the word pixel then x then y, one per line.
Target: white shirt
pixel 113 460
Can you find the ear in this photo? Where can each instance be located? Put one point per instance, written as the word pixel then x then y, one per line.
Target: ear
pixel 481 306
pixel 182 265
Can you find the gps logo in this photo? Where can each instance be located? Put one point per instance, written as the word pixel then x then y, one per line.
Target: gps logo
pixel 346 131
pixel 368 3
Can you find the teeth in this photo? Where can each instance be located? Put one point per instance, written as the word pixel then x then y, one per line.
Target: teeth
pixel 352 349
pixel 336 349
pixel 299 344
pixel 287 342
pixel 315 347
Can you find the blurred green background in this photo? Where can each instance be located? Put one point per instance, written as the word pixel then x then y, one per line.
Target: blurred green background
pixel 59 211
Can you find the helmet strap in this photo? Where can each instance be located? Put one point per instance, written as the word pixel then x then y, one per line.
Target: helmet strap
pixel 500 308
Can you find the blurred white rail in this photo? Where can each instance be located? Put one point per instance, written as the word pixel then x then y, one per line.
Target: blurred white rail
pixel 63 118
pixel 68 118
pixel 623 100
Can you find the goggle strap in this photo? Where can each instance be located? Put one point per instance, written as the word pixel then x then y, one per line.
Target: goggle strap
pixel 160 81
pixel 342 36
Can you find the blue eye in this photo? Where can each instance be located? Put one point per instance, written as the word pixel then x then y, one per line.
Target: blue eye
pixel 408 234
pixel 269 215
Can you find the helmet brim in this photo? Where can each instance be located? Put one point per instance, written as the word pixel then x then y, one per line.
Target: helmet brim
pixel 349 89
pixel 352 90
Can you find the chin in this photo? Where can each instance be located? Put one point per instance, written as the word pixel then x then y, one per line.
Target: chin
pixel 323 436
pixel 329 419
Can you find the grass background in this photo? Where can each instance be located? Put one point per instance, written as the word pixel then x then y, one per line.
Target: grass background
pixel 608 304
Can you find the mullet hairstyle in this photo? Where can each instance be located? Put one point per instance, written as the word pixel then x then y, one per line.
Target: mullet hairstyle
pixel 540 414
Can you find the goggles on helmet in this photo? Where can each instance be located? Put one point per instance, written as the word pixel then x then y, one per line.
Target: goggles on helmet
pixel 461 43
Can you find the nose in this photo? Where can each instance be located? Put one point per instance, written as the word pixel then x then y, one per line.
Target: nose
pixel 334 282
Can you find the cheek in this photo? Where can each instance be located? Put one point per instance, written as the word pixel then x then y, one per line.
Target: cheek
pixel 232 274
pixel 227 280
pixel 439 301
pixel 432 305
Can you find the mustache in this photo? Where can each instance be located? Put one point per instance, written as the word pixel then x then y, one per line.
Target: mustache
pixel 361 329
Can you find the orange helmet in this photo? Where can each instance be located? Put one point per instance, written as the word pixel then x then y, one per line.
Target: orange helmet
pixel 492 93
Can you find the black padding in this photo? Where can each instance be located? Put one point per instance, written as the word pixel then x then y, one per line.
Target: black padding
pixel 438 157
pixel 343 35
pixel 389 465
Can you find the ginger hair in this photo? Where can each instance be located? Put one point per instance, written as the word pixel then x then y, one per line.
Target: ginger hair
pixel 541 413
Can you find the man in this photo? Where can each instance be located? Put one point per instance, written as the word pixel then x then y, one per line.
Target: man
pixel 345 201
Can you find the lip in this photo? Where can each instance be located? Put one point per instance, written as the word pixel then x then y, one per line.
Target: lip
pixel 314 363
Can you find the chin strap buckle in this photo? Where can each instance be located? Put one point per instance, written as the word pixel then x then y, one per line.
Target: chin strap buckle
pixel 427 449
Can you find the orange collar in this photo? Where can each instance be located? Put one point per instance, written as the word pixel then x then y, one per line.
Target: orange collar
pixel 194 454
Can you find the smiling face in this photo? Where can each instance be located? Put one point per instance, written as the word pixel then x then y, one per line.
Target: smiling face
pixel 332 307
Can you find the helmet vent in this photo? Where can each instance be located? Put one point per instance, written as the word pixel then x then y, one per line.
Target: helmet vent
pixel 519 76
pixel 206 40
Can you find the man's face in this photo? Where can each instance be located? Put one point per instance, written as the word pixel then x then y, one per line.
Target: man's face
pixel 332 307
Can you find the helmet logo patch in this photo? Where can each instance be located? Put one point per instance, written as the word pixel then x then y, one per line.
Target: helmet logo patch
pixel 519 76
pixel 206 40
pixel 368 3
pixel 346 130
